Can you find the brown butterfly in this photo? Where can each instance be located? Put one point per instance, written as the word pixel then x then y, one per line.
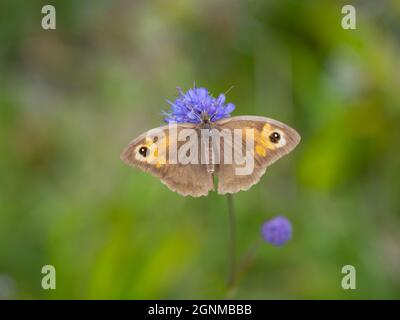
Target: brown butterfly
pixel 188 164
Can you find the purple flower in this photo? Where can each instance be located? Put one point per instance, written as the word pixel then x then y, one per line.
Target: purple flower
pixel 196 103
pixel 277 231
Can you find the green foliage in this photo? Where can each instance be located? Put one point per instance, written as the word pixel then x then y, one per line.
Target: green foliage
pixel 72 98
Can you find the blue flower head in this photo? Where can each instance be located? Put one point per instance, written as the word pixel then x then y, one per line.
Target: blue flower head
pixel 277 231
pixel 196 103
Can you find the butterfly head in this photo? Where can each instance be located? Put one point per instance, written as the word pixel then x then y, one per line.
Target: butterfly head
pixel 205 117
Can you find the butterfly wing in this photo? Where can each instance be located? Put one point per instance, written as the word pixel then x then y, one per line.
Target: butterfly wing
pixel 156 152
pixel 272 140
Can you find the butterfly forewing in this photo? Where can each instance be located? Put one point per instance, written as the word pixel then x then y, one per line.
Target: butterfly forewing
pixel 272 140
pixel 160 152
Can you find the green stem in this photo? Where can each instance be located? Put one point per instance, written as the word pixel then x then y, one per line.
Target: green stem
pixel 231 243
pixel 249 257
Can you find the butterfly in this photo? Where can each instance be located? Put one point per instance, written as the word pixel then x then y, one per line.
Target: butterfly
pixel 195 163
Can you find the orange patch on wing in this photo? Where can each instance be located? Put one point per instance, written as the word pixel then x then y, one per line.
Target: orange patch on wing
pixel 264 137
pixel 160 162
pixel 260 150
pixel 157 149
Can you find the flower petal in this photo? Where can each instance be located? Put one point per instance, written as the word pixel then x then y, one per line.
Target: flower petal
pixel 189 106
pixel 229 108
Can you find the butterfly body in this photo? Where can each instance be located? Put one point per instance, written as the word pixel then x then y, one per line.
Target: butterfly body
pixel 187 156
pixel 207 125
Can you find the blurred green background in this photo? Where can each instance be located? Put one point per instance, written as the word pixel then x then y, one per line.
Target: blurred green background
pixel 71 100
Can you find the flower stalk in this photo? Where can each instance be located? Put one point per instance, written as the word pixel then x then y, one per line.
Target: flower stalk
pixel 231 242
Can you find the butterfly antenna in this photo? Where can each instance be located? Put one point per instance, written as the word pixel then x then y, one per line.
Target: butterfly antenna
pixel 195 113
pixel 227 91
pixel 180 91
